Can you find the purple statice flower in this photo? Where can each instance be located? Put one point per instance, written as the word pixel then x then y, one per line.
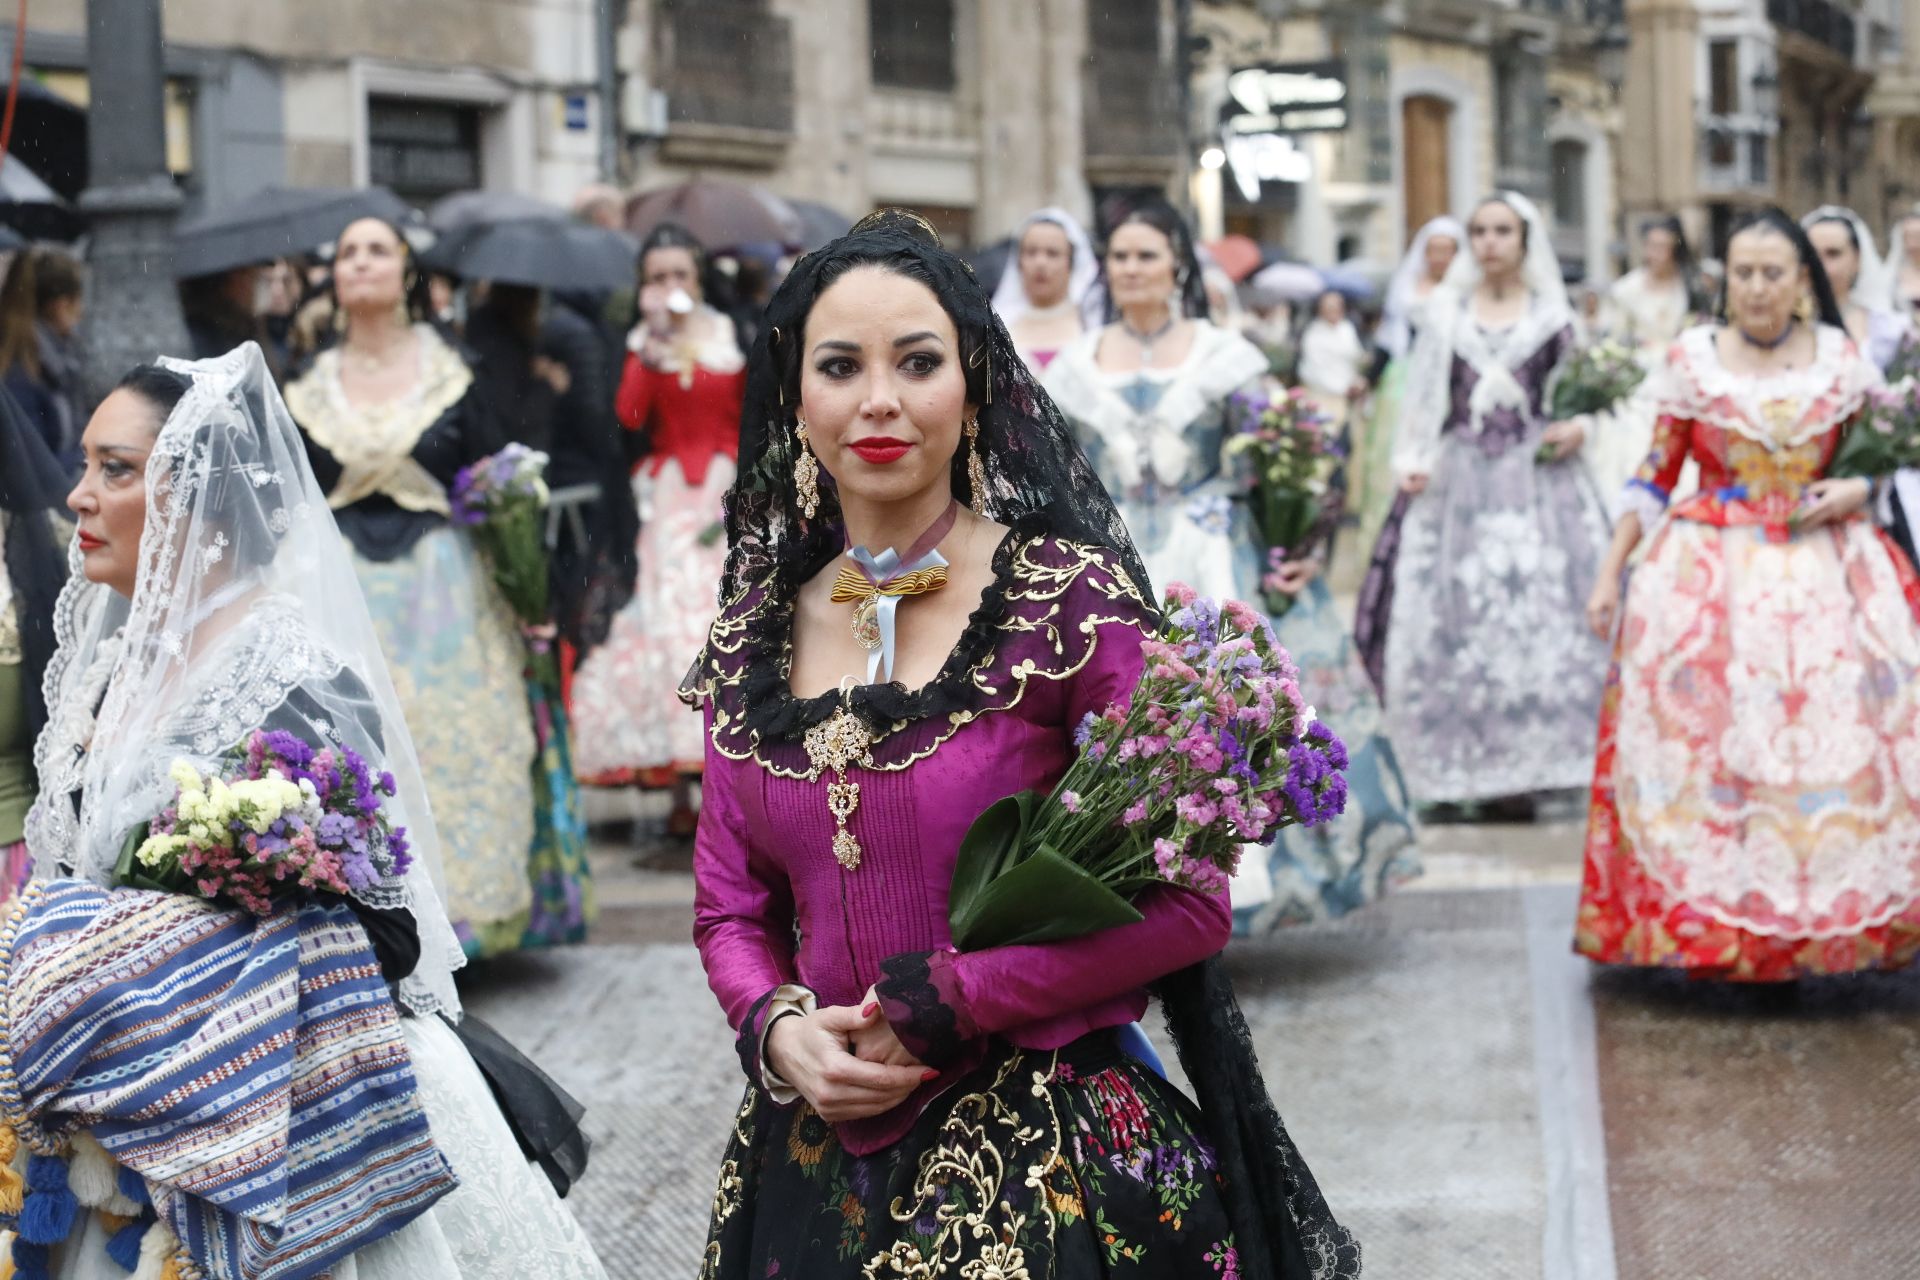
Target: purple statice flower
pixel 1235 755
pixel 1084 733
pixel 1336 750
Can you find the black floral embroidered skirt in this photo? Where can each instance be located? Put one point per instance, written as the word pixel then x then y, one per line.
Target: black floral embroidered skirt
pixel 1065 1165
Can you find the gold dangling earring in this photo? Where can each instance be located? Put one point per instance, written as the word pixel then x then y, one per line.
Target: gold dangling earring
pixel 1803 309
pixel 806 472
pixel 976 470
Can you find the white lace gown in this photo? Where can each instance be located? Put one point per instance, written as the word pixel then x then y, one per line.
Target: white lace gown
pixel 503 1222
pixel 1646 317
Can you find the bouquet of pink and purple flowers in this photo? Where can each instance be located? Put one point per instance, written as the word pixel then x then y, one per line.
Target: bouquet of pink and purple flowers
pixel 503 500
pixel 1293 449
pixel 282 818
pixel 1885 437
pixel 1214 750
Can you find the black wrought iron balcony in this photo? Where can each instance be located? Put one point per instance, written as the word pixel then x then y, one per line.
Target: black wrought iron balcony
pixel 1821 21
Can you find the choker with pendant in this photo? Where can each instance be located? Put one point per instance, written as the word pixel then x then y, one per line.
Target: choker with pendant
pixel 875 585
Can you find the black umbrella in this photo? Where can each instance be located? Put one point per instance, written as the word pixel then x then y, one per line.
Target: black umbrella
pixel 719 214
pixel 465 209
pixel 33 208
pixel 544 253
pixel 819 223
pixel 11 240
pixel 50 135
pixel 277 222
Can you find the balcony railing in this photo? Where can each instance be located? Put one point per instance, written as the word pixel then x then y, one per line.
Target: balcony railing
pixel 727 63
pixel 1131 110
pixel 1821 21
pixel 1735 156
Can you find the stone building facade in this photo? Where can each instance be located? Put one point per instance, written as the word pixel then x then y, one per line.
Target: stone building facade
pixel 426 96
pixel 1791 102
pixel 974 112
pixel 1446 100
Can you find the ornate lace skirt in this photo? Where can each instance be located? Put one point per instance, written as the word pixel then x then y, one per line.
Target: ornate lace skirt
pixel 1756 799
pixel 1476 607
pixel 628 717
pixel 456 658
pixel 503 1222
pixel 1321 873
pixel 1072 1165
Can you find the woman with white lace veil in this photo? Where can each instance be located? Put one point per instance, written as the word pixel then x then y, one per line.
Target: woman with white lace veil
pixel 1645 310
pixel 1046 296
pixel 1903 264
pixel 211 595
pixel 1414 284
pixel 1471 617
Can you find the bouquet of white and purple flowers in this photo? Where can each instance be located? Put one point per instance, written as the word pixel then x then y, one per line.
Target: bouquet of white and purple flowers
pixel 1598 378
pixel 1293 450
pixel 284 817
pixel 1885 437
pixel 503 500
pixel 1215 749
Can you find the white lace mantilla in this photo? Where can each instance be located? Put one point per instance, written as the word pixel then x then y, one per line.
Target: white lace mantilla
pixel 1779 411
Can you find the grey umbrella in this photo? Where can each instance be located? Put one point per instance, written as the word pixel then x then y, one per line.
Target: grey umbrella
pixel 277 222
pixel 465 209
pixel 721 215
pixel 33 208
pixel 819 223
pixel 545 253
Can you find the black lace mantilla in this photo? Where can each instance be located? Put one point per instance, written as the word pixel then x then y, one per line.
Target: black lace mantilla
pixel 1042 586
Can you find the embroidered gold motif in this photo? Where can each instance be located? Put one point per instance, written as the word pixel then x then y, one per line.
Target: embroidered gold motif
pixel 835 746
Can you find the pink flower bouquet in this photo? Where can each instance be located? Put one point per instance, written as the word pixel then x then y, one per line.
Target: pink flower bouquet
pixel 1886 435
pixel 1293 450
pixel 1214 749
pixel 285 818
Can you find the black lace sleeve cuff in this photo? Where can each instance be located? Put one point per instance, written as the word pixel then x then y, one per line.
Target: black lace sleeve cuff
pixel 747 1042
pixel 920 998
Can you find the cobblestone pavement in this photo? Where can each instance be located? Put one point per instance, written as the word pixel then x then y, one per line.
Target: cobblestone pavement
pixel 1476 1102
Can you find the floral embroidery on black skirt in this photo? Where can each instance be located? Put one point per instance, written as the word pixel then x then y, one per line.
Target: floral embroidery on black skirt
pixel 1070 1165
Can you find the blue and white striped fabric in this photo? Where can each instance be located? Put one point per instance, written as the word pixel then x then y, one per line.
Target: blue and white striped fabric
pixel 251 1070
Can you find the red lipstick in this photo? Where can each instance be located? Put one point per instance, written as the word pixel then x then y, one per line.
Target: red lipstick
pixel 880 450
pixel 88 542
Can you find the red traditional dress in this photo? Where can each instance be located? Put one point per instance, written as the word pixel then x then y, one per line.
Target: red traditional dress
pixel 1756 796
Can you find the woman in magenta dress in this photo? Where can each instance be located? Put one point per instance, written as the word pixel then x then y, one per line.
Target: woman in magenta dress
pixel 1756 797
pixel 910 1110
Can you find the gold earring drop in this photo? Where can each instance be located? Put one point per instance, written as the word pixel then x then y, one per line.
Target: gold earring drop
pixel 806 472
pixel 1804 308
pixel 976 470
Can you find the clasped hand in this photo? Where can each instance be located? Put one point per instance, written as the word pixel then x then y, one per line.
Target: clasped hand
pixel 846 1062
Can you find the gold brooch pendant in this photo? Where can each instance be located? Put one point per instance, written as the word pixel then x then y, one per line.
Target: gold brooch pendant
pixel 834 746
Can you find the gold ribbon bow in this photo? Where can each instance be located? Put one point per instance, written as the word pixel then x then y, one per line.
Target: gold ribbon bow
pixel 853 585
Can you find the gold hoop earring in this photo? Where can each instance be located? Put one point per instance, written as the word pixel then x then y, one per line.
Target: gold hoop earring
pixel 976 470
pixel 1803 309
pixel 806 472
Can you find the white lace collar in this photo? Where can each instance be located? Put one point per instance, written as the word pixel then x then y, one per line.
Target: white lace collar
pixel 1779 410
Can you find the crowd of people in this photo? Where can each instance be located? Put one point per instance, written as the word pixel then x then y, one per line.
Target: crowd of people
pixel 1669 605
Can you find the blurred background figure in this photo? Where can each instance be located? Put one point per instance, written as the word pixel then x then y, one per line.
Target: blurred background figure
pixel 1646 309
pixel 223 310
pixel 1861 286
pixel 33 566
pixel 1044 299
pixel 41 359
pixel 1333 360
pixel 680 396
pixel 390 415
pixel 1903 256
pixel 1370 465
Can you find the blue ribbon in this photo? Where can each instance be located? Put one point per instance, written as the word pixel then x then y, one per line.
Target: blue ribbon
pixel 880 570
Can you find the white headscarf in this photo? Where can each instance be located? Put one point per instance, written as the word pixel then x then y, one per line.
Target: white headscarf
pixel 1449 333
pixel 246 609
pixel 1010 295
pixel 1872 289
pixel 1396 326
pixel 1895 261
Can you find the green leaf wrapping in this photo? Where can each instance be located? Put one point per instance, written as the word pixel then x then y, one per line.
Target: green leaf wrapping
pixel 513 539
pixel 1040 897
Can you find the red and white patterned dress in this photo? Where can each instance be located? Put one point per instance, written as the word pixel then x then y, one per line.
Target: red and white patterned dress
pixel 1756 795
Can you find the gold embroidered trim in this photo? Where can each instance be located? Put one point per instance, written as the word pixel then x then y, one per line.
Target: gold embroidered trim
pixel 374 444
pixel 1034 581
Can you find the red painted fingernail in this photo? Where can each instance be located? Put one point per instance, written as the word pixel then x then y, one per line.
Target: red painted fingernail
pixel 870 1010
pixel 929 1074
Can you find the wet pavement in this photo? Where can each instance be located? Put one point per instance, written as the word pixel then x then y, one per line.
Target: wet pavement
pixel 1477 1102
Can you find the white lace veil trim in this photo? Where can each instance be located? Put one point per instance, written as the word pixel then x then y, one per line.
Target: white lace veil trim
pixel 246 612
pixel 1396 317
pixel 1010 295
pixel 1450 332
pixel 1894 261
pixel 1873 286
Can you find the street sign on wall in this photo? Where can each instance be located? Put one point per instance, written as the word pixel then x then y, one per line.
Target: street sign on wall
pixel 1285 97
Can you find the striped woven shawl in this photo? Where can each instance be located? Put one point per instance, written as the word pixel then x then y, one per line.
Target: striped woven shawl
pixel 251 1070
